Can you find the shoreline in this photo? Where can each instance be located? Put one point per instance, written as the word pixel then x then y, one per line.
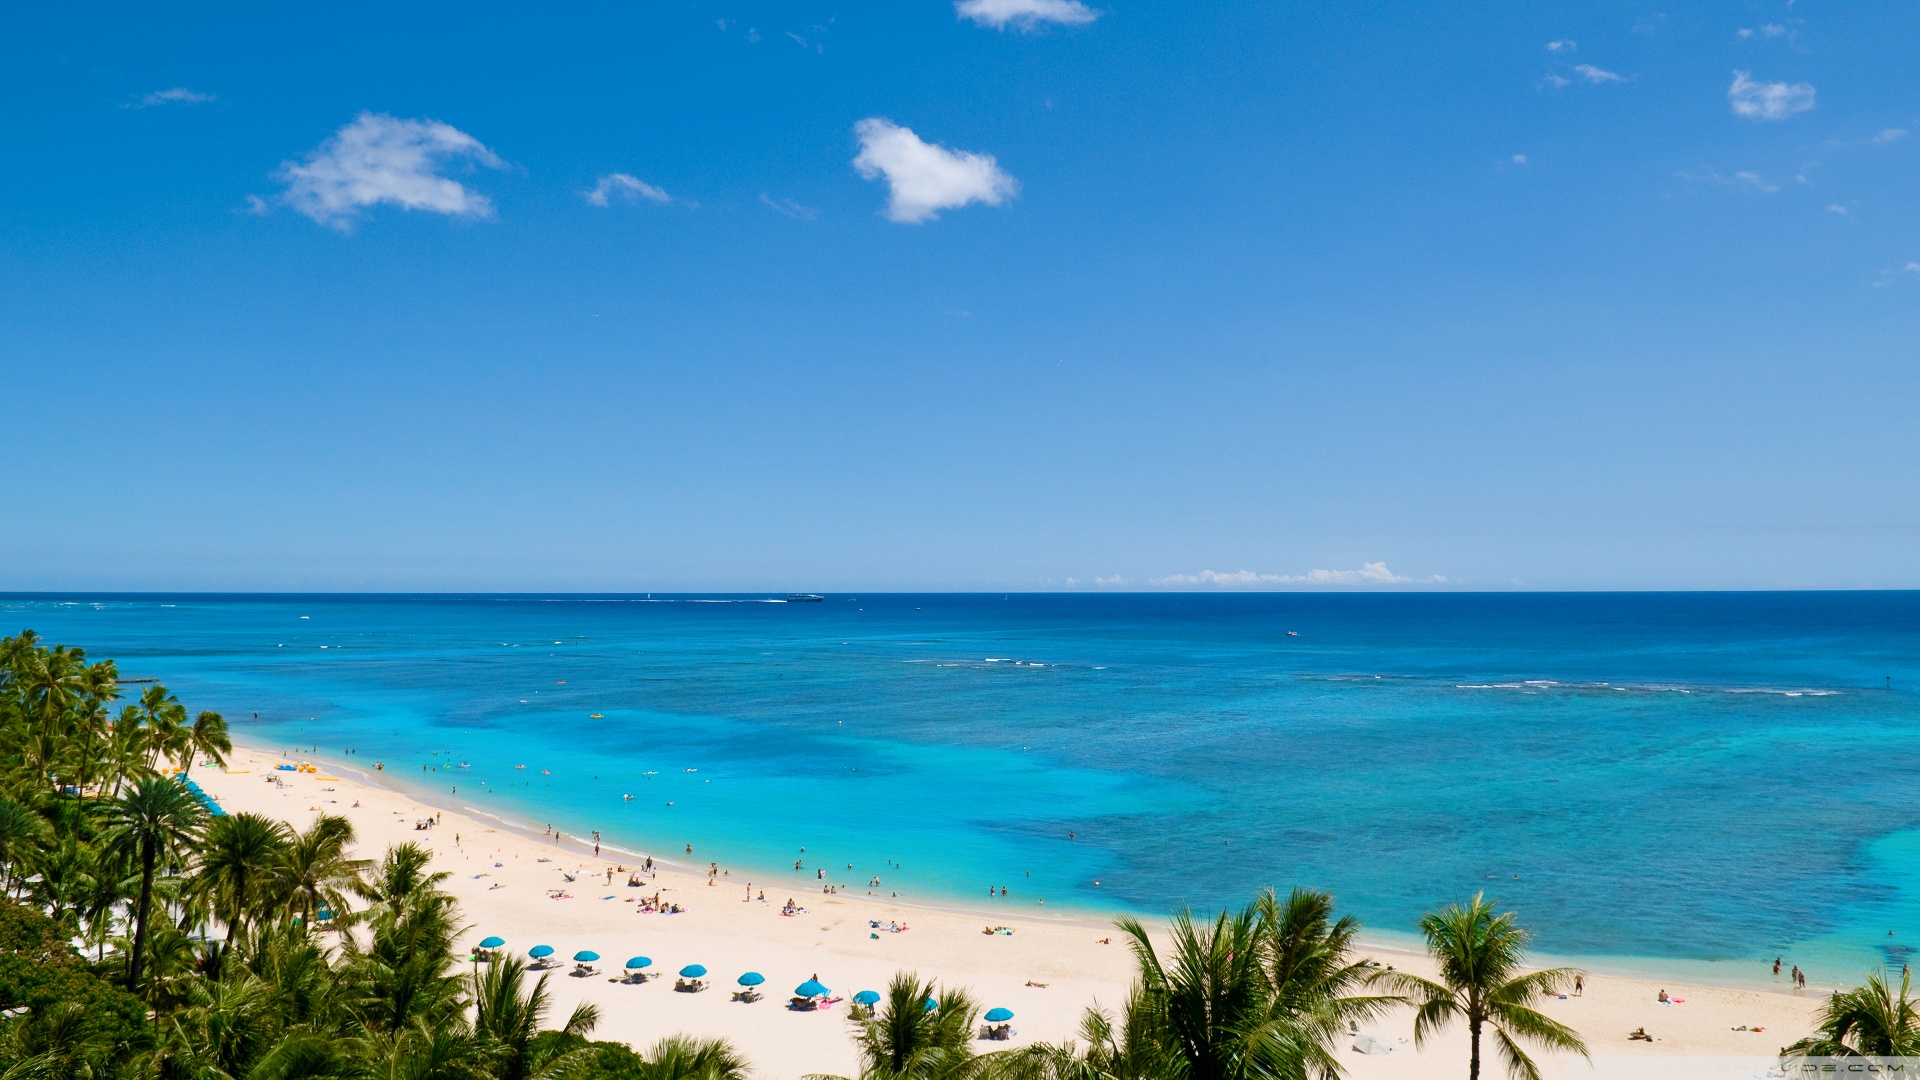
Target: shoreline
pixel 1048 968
pixel 1672 970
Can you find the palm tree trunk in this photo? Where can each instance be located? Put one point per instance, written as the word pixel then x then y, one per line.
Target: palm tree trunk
pixel 1473 1061
pixel 147 856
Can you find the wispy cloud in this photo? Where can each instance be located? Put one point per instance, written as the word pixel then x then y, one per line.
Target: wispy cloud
pixel 1518 159
pixel 789 207
pixel 1373 573
pixel 179 95
pixel 1597 75
pixel 1744 178
pixel 1024 14
pixel 626 187
pixel 925 178
pixel 1890 135
pixel 1771 30
pixel 1563 45
pixel 1768 100
pixel 379 159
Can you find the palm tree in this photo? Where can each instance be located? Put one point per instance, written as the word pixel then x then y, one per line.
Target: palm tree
pixel 507 1018
pixel 1480 953
pixel 683 1057
pixel 155 819
pixel 241 861
pixel 1312 972
pixel 907 1040
pixel 1866 1021
pixel 316 873
pixel 207 738
pixel 22 833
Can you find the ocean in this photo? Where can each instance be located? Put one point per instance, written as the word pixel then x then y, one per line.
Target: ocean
pixel 1690 782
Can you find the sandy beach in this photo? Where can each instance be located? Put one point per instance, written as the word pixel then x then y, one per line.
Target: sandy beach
pixel 1047 970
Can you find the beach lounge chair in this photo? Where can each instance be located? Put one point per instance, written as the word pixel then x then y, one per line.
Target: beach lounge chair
pixel 581 971
pixel 747 995
pixel 689 986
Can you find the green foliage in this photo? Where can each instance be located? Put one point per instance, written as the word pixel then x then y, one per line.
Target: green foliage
pixel 1874 1020
pixel 1481 952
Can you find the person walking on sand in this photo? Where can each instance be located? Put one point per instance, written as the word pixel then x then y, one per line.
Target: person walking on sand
pixel 1579 985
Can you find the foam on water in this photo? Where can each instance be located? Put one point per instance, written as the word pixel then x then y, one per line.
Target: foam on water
pixel 1702 778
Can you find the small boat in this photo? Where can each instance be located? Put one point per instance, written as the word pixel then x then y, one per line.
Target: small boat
pixel 594 716
pixel 804 598
pixel 1293 633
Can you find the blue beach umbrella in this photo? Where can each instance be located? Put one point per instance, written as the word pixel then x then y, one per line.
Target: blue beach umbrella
pixel 995 1016
pixel 325 913
pixel 586 956
pixel 751 978
pixel 867 997
pixel 492 942
pixel 932 1004
pixel 692 971
pixel 540 951
pixel 811 988
pixel 639 962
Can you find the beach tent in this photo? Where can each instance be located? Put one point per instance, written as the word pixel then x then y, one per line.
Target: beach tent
pixel 867 997
pixel 693 971
pixel 998 1016
pixel 811 988
pixel 1368 1044
pixel 540 951
pixel 492 942
pixel 639 962
pixel 586 956
pixel 751 978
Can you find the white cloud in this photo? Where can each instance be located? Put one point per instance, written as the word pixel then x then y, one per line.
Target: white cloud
pixel 1768 101
pixel 179 95
pixel 1836 208
pixel 1890 135
pixel 789 207
pixel 925 178
pixel 1519 159
pixel 1373 573
pixel 1024 14
pixel 379 159
pixel 1563 45
pixel 625 186
pixel 1755 181
pixel 1557 81
pixel 1597 75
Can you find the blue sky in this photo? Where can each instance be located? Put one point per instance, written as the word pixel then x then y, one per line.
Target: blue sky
pixel 1028 295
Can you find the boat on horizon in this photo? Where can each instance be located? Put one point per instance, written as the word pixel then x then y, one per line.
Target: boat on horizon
pixel 804 598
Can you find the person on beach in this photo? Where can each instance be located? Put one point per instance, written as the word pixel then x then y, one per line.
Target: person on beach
pixel 1776 967
pixel 1579 985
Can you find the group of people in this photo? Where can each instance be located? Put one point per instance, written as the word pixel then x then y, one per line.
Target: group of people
pixel 1798 978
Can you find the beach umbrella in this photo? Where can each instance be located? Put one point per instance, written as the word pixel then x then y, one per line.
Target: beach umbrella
pixel 867 997
pixel 751 978
pixel 325 914
pixel 811 988
pixel 997 1016
pixel 692 971
pixel 586 956
pixel 540 951
pixel 932 1004
pixel 639 962
pixel 1368 1044
pixel 492 942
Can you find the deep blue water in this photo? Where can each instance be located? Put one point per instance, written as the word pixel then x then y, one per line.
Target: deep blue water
pixel 1678 776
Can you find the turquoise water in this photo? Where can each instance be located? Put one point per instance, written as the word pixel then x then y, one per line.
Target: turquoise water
pixel 1696 778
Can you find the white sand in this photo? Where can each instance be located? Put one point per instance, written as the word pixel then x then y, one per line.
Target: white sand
pixel 832 939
